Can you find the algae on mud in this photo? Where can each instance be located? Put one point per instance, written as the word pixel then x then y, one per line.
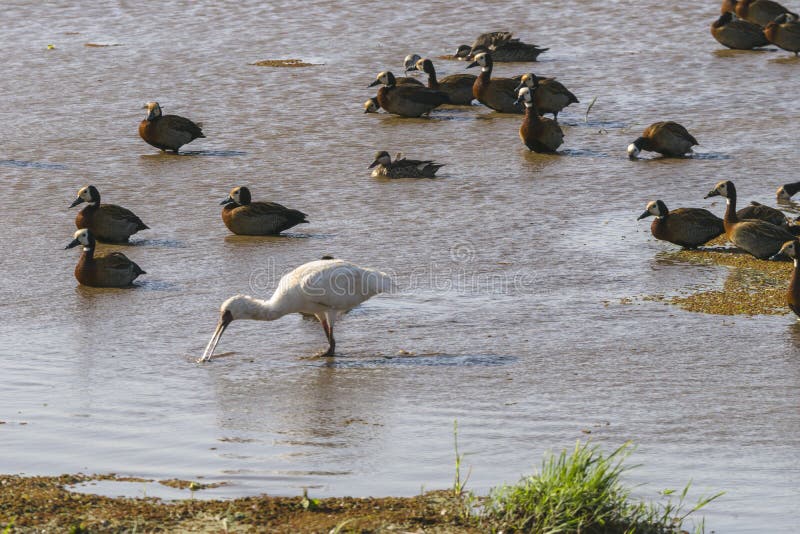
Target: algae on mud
pixel 751 287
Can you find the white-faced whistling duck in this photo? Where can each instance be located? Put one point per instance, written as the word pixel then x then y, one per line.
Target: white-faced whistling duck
pixel 497 93
pixel 457 86
pixel 760 12
pixel 108 222
pixel 371 105
pixel 402 167
pixel 791 249
pixel 503 47
pixel 407 100
pixel 539 134
pixel 324 288
pixel 410 62
pixel 737 34
pixel 667 138
pixel 786 191
pixel 551 96
pixel 685 227
pixel 784 32
pixel 242 216
pixel 167 132
pixel 759 238
pixel 111 270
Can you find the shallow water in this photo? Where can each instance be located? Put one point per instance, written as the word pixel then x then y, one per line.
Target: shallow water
pixel 512 265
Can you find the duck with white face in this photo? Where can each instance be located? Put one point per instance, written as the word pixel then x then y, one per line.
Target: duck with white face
pixel 407 100
pixel 402 167
pixel 111 270
pixel 685 227
pixel 410 62
pixel 371 105
pixel 787 191
pixel 108 222
pixel 167 132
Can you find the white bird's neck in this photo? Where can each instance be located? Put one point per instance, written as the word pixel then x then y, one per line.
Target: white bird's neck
pixel 260 310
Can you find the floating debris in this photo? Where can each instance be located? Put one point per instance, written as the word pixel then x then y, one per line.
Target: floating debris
pixel 101 45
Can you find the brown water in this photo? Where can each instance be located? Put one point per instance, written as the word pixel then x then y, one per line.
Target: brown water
pixel 512 264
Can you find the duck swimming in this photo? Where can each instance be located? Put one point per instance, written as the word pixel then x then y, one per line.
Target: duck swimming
pixel 407 100
pixel 685 227
pixel 497 93
pixel 111 270
pixel 108 222
pixel 402 167
pixel 539 134
pixel 551 95
pixel 242 216
pixel 503 46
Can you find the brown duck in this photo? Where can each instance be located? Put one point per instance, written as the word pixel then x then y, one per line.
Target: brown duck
pixel 407 100
pixel 167 132
pixel 242 216
pixel 402 167
pixel 538 133
pixel 737 34
pixel 792 250
pixel 498 93
pixel 458 87
pixel 784 32
pixel 667 138
pixel 760 12
pixel 685 227
pixel 551 96
pixel 108 222
pixel 112 270
pixel 503 46
pixel 759 238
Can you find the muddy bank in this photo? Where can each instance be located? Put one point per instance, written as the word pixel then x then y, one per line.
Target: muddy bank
pixel 43 504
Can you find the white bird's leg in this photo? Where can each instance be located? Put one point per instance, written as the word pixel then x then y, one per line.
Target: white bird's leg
pixel 328 327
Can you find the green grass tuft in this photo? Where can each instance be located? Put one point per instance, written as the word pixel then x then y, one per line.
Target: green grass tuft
pixel 582 492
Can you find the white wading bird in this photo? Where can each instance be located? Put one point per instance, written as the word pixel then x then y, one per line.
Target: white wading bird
pixel 324 288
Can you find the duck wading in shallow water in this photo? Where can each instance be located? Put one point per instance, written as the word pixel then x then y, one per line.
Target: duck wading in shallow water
pixel 167 132
pixel 787 191
pixel 550 97
pixel 737 34
pixel 784 32
pixel 759 238
pixel 685 227
pixel 324 288
pixel 242 216
pixel 539 134
pixel 402 167
pixel 111 270
pixel 503 46
pixel 458 87
pixel 499 93
pixel 406 100
pixel 108 222
pixel 791 249
pixel 668 138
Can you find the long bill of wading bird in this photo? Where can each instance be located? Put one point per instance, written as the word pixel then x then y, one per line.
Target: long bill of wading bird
pixel 324 288
pixel 108 222
pixel 167 132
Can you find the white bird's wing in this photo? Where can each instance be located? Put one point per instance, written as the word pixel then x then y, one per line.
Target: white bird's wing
pixel 340 285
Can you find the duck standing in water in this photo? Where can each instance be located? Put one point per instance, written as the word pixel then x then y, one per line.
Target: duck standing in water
pixel 402 167
pixel 324 288
pixel 668 138
pixel 457 86
pixel 108 222
pixel 539 134
pixel 167 132
pixel 407 100
pixel 551 96
pixel 784 32
pixel 497 93
pixel 737 34
pixel 791 249
pixel 685 227
pixel 242 216
pixel 503 46
pixel 111 270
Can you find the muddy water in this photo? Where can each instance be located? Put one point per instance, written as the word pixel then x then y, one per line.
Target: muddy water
pixel 512 265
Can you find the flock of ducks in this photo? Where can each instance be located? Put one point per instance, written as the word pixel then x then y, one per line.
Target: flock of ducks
pixel 317 288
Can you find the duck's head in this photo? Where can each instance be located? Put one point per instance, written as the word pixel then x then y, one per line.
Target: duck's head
pixel 786 191
pixel 635 148
pixel 371 105
pixel 381 158
pixel 238 195
pixel 724 19
pixel 528 80
pixel 728 6
pixel 153 110
pixel 386 78
pixel 410 62
pixel 82 237
pixel 789 249
pixel 724 189
pixel 88 194
pixel 482 59
pixel 525 96
pixel 656 208
pixel 425 65
pixel 463 52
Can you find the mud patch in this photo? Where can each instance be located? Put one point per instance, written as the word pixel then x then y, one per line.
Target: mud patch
pixel 283 63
